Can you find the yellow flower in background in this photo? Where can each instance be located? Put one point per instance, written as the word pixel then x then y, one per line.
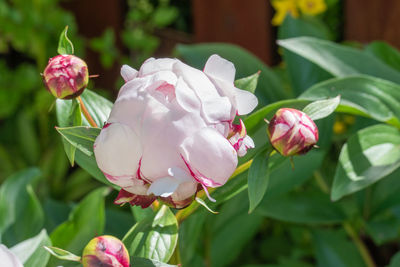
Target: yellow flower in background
pixel 312 7
pixel 339 127
pixel 282 7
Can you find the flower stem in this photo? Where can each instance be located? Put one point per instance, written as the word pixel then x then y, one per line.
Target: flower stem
pixel 369 262
pixel 86 113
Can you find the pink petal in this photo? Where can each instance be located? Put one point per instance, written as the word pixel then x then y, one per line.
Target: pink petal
pixel 220 68
pixel 118 151
pixel 210 156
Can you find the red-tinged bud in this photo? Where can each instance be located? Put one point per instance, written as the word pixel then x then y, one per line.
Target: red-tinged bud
pixel 181 204
pixel 106 251
pixel 292 132
pixel 66 76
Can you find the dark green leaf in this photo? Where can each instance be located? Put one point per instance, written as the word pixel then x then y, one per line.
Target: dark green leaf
pixel 333 249
pixel 361 95
pixel 85 222
pixel 248 83
pixel 309 73
pixel 385 52
pixel 227 240
pixel 322 108
pixel 20 204
pixel 395 261
pixel 62 254
pixel 370 155
pixel 154 238
pixel 31 252
pixel 142 262
pixel 258 178
pixel 339 60
pixel 304 207
pixel 269 87
pixel 65 46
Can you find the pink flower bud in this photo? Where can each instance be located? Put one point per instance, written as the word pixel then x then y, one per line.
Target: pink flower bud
pixel 66 76
pixel 292 132
pixel 105 251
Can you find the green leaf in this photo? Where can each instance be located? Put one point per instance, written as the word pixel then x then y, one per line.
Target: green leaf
pixel 361 95
pixel 309 73
pixel 227 240
pixel 69 114
pixel 385 52
pixel 333 249
pixel 81 137
pixel 395 260
pixel 62 254
pixel 322 108
pixel 304 207
pixel 248 83
pixel 142 262
pixel 269 87
pixel 98 107
pixel 31 253
pixel 155 237
pixel 258 178
pixel 65 46
pixel 19 202
pixel 204 204
pixel 339 60
pixel 85 222
pixel 368 156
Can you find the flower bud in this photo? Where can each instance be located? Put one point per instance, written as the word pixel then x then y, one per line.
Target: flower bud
pixel 105 251
pixel 292 132
pixel 66 76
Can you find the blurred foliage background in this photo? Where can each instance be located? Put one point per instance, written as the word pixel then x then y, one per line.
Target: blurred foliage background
pixel 283 235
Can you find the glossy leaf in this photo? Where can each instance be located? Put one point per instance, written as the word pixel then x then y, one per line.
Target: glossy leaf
pixel 269 88
pixel 339 60
pixel 304 207
pixel 98 107
pixel 65 46
pixel 368 156
pixel 62 254
pixel 258 178
pixel 86 221
pixel 31 252
pixel 309 73
pixel 155 237
pixel 361 95
pixel 333 249
pixel 81 137
pixel 385 52
pixel 69 114
pixel 19 202
pixel 322 108
pixel 248 83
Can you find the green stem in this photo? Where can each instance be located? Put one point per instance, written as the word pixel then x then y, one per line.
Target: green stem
pixel 321 182
pixel 369 262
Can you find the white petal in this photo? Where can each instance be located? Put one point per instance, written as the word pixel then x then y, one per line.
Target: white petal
pixel 128 73
pixel 220 68
pixel 118 151
pixel 7 258
pixel 152 65
pixel 246 102
pixel 211 155
pixel 166 186
pixel 186 97
pixel 246 144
